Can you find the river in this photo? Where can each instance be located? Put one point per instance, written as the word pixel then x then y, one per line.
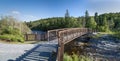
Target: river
pixel 104 48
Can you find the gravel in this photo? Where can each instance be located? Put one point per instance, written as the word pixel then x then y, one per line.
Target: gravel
pixel 13 51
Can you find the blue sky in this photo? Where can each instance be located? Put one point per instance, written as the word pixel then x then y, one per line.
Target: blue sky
pixel 29 10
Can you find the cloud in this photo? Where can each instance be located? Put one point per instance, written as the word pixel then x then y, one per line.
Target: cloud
pixel 21 16
pixel 15 12
pixel 103 6
pixel 29 18
pixel 103 0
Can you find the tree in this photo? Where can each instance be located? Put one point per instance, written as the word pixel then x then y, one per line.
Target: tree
pixel 67 14
pixel 111 23
pixel 80 22
pixel 67 19
pixel 117 24
pixel 10 21
pixel 96 18
pixel 91 23
pixel 104 26
pixel 86 18
pixel 83 21
pixel 104 23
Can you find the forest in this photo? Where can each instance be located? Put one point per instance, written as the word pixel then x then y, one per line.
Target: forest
pixel 104 22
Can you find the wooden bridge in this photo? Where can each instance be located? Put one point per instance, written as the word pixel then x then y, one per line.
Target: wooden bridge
pixel 56 40
pixel 64 36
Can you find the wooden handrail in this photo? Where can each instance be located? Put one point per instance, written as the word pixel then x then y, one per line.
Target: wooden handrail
pixel 66 35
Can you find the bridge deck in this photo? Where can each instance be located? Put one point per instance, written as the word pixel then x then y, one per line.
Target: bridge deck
pixel 44 51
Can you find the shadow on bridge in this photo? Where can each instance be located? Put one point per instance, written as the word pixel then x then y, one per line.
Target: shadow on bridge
pixel 41 52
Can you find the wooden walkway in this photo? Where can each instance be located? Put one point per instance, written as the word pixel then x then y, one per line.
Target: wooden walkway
pixel 53 49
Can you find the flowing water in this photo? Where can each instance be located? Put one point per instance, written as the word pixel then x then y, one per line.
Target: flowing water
pixel 104 48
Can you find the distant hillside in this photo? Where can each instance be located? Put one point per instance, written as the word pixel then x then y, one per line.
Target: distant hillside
pixel 103 22
pixel 54 23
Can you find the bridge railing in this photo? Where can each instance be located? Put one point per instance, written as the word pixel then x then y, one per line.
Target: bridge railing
pixel 53 34
pixel 68 35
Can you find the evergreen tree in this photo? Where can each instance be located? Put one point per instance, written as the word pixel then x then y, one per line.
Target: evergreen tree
pixel 79 21
pixel 104 27
pixel 104 23
pixel 83 21
pixel 96 18
pixel 111 23
pixel 117 24
pixel 67 19
pixel 67 14
pixel 86 18
pixel 92 24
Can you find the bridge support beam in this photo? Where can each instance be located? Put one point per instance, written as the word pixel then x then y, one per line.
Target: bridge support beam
pixel 61 52
pixel 61 47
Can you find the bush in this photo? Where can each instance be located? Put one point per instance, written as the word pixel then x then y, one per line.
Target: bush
pixel 5 37
pixel 117 34
pixel 67 57
pixel 76 57
pixel 11 30
pixel 14 38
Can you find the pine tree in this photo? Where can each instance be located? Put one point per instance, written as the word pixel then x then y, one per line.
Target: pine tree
pixel 67 14
pixel 96 18
pixel 86 18
pixel 92 24
pixel 104 23
pixel 67 19
pixel 105 26
pixel 111 23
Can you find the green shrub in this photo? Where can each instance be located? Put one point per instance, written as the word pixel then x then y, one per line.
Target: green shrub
pixel 20 39
pixel 117 35
pixel 67 57
pixel 4 37
pixel 10 30
pixel 14 38
pixel 76 57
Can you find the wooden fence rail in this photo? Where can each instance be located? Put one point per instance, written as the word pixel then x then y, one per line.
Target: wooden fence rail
pixel 35 37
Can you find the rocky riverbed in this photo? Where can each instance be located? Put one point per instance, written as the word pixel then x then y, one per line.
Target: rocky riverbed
pixel 104 48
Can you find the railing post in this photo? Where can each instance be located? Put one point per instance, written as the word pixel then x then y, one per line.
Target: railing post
pixel 26 35
pixel 35 37
pixel 48 36
pixel 60 47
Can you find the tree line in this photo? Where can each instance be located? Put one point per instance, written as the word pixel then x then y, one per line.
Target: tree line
pixel 103 22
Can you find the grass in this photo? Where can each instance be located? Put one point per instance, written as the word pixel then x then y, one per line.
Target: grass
pixel 76 57
pixel 103 33
pixel 116 34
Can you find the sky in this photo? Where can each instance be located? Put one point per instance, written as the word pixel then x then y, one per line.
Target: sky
pixel 30 10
